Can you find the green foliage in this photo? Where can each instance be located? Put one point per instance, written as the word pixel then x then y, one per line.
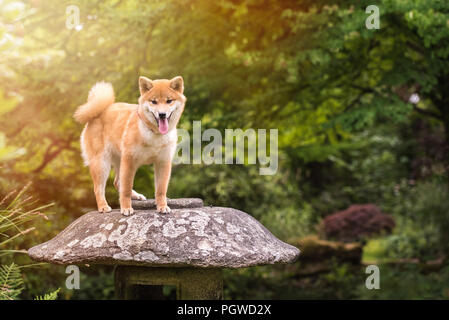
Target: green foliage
pixel 280 282
pixel 11 282
pixel 366 173
pixel 342 279
pixel 16 210
pixel 422 212
pixel 287 222
pixel 96 283
pixel 337 92
pixel 375 251
pixel 315 65
pixel 399 282
pixel 49 296
pixel 8 152
pixel 235 186
pixel 15 214
pixel 406 283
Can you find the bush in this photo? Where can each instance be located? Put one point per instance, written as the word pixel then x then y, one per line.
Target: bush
pixel 16 210
pixel 286 223
pixel 356 223
pixel 407 282
pixel 422 213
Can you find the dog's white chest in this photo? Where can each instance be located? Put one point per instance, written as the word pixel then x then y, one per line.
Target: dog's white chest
pixel 156 146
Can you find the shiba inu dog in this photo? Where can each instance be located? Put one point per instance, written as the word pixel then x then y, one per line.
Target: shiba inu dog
pixel 127 136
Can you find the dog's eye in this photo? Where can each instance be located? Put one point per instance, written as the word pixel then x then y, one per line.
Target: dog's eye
pixel 169 100
pixel 153 101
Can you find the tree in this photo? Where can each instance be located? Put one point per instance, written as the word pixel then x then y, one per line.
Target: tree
pixel 309 68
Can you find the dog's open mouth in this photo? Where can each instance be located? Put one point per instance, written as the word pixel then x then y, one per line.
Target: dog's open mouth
pixel 162 123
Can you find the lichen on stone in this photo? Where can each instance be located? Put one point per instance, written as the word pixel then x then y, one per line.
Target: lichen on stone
pixel 202 237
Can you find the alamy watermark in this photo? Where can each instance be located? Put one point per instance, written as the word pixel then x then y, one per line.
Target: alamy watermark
pixel 373 20
pixel 254 145
pixel 373 280
pixel 73 18
pixel 72 281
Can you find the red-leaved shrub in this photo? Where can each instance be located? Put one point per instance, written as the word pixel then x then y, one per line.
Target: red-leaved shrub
pixel 357 223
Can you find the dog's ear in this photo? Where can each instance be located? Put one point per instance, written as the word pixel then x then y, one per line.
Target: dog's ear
pixel 145 85
pixel 177 84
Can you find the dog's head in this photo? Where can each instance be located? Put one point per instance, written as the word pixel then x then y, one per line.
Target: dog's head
pixel 162 102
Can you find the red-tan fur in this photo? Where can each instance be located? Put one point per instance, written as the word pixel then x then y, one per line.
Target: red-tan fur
pixel 126 136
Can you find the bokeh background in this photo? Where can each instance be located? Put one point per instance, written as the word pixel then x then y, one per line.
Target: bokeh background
pixel 363 120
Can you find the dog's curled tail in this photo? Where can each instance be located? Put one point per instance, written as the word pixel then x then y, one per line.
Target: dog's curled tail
pixel 100 97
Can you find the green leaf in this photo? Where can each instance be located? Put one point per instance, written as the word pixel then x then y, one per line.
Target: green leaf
pixel 11 282
pixel 49 296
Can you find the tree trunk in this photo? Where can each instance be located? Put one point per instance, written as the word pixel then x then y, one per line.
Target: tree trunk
pixel 441 101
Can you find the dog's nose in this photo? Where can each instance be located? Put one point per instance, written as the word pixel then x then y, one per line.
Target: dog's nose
pixel 162 115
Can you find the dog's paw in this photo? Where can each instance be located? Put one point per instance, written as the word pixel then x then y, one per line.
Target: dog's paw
pixel 137 196
pixel 127 211
pixel 104 209
pixel 163 209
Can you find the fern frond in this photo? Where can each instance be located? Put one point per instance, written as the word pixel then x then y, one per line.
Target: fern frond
pixel 11 282
pixel 49 296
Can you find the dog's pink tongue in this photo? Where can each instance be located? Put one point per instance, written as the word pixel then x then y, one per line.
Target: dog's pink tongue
pixel 163 126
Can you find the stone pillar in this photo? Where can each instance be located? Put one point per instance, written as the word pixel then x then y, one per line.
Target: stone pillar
pixel 190 283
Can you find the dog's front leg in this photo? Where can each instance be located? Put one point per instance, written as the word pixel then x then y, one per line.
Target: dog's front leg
pixel 128 170
pixel 162 171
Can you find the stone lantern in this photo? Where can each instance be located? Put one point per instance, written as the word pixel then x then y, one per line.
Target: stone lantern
pixel 187 248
